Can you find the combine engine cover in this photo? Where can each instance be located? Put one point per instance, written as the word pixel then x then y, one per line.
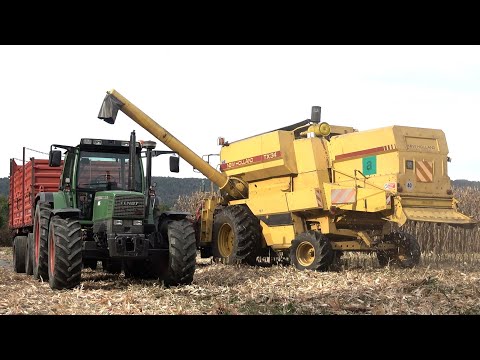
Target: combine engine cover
pixel 399 170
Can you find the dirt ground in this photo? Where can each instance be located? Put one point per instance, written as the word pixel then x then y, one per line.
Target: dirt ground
pixel 360 288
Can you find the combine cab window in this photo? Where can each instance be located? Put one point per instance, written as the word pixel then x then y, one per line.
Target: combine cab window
pixel 105 171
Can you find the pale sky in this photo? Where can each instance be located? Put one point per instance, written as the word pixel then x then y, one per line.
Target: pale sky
pixel 52 94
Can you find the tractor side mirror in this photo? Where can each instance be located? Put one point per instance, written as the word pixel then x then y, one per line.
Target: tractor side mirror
pixel 174 164
pixel 55 158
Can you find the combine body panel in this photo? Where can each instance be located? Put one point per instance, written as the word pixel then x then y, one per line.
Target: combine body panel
pixel 26 181
pixel 311 191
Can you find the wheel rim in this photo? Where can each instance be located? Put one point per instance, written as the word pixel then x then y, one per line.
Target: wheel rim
pixel 305 254
pixel 37 239
pixel 51 251
pixel 226 239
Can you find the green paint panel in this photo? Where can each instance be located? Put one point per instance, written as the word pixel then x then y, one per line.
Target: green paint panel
pixel 369 165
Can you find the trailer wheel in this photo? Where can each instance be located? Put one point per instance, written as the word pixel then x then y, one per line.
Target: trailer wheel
pixel 29 255
pixel 311 250
pixel 19 253
pixel 182 253
pixel 40 235
pixel 64 253
pixel 112 266
pixel 407 253
pixel 236 233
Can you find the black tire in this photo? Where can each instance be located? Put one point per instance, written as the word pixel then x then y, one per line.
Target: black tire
pixel 407 254
pixel 40 234
pixel 29 255
pixel 247 232
pixel 311 250
pixel 182 253
pixel 90 263
pixel 64 253
pixel 19 253
pixel 112 266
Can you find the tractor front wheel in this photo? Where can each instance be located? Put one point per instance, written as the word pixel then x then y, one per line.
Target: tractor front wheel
pixel 182 253
pixel 64 253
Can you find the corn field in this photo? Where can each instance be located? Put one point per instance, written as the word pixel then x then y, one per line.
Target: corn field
pixel 439 243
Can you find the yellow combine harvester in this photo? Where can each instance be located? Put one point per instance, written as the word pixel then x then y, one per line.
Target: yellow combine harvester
pixel 311 191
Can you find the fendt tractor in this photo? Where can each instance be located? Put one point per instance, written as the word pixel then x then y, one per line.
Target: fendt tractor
pixel 97 205
pixel 310 191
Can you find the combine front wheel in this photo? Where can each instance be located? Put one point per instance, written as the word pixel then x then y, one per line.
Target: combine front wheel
pixel 236 234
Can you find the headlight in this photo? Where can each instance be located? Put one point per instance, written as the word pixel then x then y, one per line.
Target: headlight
pixel 117 222
pixel 137 222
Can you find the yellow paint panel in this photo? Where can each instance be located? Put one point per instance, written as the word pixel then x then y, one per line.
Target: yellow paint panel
pixel 303 200
pixel 269 203
pixel 278 237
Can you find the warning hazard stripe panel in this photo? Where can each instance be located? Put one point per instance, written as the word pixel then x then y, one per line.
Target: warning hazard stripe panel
pixel 343 196
pixel 424 171
pixel 379 149
pixel 318 195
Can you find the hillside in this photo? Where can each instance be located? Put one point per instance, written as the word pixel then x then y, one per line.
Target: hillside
pixel 169 189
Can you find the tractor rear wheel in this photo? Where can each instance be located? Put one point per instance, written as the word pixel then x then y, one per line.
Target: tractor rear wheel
pixel 182 253
pixel 64 253
pixel 407 253
pixel 311 250
pixel 40 235
pixel 29 255
pixel 19 253
pixel 236 234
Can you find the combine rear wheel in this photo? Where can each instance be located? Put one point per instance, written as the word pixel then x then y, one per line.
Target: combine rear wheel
pixel 311 250
pixel 19 253
pixel 40 236
pixel 407 253
pixel 236 234
pixel 64 253
pixel 29 255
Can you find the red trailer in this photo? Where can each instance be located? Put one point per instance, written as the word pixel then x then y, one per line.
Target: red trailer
pixel 26 181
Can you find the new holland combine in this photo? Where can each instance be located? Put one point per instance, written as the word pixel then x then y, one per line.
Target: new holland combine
pixel 311 191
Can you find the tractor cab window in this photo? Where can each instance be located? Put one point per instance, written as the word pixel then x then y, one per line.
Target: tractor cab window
pixel 99 171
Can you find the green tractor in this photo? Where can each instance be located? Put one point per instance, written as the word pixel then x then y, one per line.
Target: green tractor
pixel 105 210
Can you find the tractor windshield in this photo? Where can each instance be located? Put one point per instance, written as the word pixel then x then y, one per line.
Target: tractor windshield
pixel 106 171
